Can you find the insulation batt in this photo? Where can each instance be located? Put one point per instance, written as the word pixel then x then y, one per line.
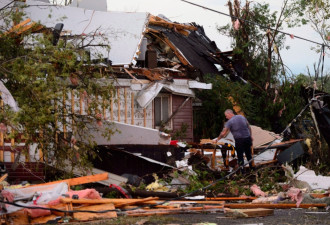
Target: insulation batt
pixel 87 194
pixel 296 195
pixel 256 191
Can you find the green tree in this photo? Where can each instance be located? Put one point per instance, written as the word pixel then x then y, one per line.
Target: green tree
pixel 316 14
pixel 271 98
pixel 42 78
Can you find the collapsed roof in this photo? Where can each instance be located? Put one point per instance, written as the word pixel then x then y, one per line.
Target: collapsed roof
pixel 130 39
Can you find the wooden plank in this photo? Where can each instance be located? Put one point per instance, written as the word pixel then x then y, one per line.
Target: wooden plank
pixel 43 219
pixel 89 216
pixel 118 202
pixel 132 108
pixel 232 198
pixel 157 21
pixel 19 217
pixel 320 195
pixel 213 159
pixel 272 206
pixel 137 202
pixel 3 177
pixel 21 24
pixel 195 202
pixel 78 180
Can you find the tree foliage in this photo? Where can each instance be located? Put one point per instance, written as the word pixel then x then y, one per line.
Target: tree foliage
pixel 42 79
pixel 270 98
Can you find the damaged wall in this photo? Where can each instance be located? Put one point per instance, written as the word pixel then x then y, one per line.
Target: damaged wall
pixel 183 116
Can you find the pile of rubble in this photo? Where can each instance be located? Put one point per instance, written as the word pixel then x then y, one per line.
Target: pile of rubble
pixel 56 202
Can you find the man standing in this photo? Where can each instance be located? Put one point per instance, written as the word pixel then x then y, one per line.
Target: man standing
pixel 241 130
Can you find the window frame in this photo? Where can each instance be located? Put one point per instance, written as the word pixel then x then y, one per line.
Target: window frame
pixel 162 95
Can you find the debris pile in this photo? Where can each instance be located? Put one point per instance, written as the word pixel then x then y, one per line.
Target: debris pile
pixel 58 202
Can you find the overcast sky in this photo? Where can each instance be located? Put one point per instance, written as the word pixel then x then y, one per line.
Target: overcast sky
pixel 297 58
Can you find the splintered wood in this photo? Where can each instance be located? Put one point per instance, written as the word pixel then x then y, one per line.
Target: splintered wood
pixel 88 207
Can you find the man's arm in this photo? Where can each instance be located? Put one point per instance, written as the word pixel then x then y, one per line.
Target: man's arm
pixel 223 133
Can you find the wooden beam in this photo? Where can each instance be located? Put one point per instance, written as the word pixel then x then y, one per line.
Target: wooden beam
pixel 145 117
pixel 118 103
pixel 12 144
pixel 118 202
pixel 41 153
pixel 104 110
pixel 111 108
pixel 78 180
pixel 3 177
pixel 21 24
pixel 125 98
pixel 131 75
pixel 157 21
pixel 232 198
pixel 178 54
pixel 272 206
pixel 81 109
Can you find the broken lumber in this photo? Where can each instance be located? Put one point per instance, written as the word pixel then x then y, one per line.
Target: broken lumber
pixel 83 216
pixel 272 206
pixel 118 202
pixel 232 198
pixel 195 202
pixel 78 180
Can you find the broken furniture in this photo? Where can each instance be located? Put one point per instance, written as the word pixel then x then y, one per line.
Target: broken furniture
pixel 227 152
pixel 292 147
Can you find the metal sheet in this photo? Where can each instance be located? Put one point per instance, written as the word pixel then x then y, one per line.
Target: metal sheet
pixel 291 153
pixel 122 31
pixel 178 87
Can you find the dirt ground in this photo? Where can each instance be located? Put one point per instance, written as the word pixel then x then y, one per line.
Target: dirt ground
pixel 280 217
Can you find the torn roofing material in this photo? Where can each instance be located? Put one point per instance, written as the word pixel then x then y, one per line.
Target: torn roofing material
pixel 123 32
pixel 178 87
pixel 196 48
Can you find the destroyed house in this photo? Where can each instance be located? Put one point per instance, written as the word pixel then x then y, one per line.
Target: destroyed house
pixel 158 65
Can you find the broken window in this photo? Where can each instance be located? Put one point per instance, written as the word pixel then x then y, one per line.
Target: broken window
pixel 162 110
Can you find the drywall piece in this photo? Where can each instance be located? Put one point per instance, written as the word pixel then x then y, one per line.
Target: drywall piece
pixel 127 134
